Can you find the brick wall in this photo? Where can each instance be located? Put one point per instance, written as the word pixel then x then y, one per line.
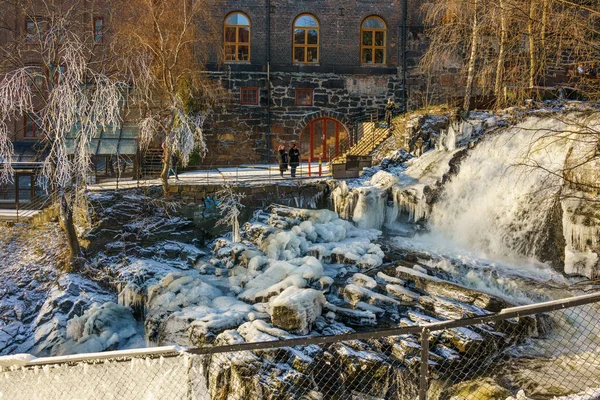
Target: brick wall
pixel 339 20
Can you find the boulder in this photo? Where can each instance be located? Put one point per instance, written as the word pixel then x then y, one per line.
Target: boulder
pixel 484 388
pixel 296 310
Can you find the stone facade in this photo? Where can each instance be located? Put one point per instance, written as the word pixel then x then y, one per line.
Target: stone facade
pixel 342 88
pixel 243 129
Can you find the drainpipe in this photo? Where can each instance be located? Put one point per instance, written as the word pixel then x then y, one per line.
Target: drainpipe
pixel 403 44
pixel 268 3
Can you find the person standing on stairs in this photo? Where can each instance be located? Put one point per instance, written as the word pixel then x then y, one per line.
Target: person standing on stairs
pixel 389 113
pixel 294 159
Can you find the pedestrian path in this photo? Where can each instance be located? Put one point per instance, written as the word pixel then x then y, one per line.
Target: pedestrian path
pixel 248 174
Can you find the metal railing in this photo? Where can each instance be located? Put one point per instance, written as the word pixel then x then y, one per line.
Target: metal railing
pixel 216 174
pixel 543 351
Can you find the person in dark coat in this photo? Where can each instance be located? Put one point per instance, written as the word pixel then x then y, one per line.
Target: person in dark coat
pixel 294 159
pixel 173 166
pixel 389 112
pixel 282 158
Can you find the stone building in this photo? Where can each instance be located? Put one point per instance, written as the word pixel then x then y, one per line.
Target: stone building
pixel 308 72
pixel 302 71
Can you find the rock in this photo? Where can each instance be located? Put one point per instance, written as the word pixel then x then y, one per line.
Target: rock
pixel 296 310
pixel 353 317
pixel 325 283
pixel 402 293
pixel 364 281
pixel 433 285
pixel 355 294
pixel 462 339
pixel 390 279
pixel 362 370
pixel 450 309
pixel 483 388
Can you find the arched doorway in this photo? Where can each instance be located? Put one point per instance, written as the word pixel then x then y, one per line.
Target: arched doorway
pixel 323 138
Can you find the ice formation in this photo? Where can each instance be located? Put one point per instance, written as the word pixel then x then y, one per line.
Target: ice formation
pixel 102 327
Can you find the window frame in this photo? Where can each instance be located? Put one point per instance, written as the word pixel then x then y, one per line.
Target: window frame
pixel 102 30
pixel 40 26
pixel 250 89
pixel 373 47
pixel 53 74
pixel 237 43
pixel 306 45
pixel 35 127
pixel 305 90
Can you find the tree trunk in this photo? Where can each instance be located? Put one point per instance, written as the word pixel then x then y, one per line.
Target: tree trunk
pixel 68 225
pixel 473 55
pixel 532 48
pixel 498 92
pixel 164 174
pixel 543 34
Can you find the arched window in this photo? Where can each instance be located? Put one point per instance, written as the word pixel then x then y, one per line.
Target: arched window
pixel 237 37
pixel 373 40
pixel 306 40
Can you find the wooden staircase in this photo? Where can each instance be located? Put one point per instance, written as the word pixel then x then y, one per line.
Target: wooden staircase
pixel 152 163
pixel 373 134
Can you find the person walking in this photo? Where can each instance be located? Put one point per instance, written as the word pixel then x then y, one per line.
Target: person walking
pixel 173 166
pixel 294 159
pixel 282 158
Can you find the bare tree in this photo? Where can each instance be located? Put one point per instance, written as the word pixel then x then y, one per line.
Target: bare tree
pixel 163 47
pixel 512 46
pixel 50 75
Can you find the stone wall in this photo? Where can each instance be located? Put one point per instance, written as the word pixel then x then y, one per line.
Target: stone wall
pixel 237 134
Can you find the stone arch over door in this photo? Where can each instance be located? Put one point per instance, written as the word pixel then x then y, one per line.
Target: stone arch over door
pixel 324 135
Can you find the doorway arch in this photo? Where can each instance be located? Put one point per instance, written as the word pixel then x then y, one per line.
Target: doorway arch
pixel 324 138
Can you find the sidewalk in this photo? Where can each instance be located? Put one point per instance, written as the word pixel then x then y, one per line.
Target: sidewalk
pixel 248 174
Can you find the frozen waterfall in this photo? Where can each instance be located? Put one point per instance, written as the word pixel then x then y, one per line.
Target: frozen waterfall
pixel 500 203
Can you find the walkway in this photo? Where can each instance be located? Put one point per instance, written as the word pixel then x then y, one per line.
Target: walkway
pixel 256 174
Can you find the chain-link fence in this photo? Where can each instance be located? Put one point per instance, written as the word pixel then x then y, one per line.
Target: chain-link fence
pixel 543 351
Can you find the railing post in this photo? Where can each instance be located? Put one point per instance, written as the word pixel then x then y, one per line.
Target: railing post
pixel 424 364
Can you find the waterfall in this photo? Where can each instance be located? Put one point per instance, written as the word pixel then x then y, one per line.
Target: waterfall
pixel 500 201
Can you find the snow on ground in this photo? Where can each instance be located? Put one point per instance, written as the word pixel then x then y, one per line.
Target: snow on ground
pixel 39 298
pixel 246 174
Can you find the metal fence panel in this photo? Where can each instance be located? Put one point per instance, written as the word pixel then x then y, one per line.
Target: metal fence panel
pixel 548 351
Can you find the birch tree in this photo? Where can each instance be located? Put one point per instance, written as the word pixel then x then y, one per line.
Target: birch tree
pixel 64 91
pixel 163 47
pixel 514 46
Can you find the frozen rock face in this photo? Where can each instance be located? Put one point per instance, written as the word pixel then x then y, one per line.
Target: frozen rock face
pixel 296 310
pixel 102 327
pixel 581 215
pixel 38 298
pixel 186 311
pixel 403 193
